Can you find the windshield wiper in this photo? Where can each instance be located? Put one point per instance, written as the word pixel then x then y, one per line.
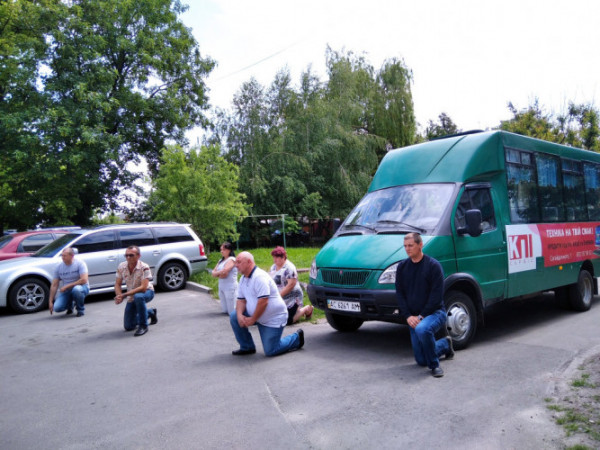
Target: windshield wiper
pixel 360 226
pixel 397 222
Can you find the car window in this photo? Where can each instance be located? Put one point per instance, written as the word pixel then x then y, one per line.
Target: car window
pixel 55 246
pixel 136 236
pixel 166 235
pixel 34 242
pixel 96 242
pixel 4 240
pixel 476 199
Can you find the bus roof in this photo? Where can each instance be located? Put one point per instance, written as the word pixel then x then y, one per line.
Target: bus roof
pixel 462 158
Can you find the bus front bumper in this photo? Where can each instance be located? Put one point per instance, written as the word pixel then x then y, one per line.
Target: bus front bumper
pixel 366 304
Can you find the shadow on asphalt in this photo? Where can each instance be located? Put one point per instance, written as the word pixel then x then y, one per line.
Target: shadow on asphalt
pixel 500 322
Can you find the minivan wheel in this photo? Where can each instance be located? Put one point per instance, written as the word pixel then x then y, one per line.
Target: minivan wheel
pixel 582 292
pixel 29 295
pixel 343 323
pixel 172 276
pixel 462 319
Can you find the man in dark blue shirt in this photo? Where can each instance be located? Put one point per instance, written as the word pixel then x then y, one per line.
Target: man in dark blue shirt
pixel 420 293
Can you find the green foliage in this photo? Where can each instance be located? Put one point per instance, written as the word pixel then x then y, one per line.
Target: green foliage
pixel 579 126
pixel 290 225
pixel 200 188
pixel 109 219
pixel 583 381
pixel 444 127
pixel 120 78
pixel 312 150
pixel 23 47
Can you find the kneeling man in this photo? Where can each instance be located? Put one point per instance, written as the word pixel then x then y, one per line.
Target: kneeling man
pixel 136 275
pixel 259 302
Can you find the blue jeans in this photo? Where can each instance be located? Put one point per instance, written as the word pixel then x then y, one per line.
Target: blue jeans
pixel 272 341
pixel 426 349
pixel 136 312
pixel 77 294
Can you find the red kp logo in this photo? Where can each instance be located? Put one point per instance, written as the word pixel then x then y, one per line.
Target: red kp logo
pixel 520 246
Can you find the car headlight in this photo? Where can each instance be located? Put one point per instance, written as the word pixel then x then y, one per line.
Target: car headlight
pixel 313 270
pixel 389 275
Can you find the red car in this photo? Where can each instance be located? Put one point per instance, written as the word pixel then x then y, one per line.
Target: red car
pixel 26 243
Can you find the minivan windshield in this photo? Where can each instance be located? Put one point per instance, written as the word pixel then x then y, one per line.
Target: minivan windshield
pixel 399 209
pixel 53 247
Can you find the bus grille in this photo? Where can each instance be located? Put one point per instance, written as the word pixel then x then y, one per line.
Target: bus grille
pixel 344 277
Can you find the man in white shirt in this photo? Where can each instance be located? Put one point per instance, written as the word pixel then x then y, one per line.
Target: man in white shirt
pixel 259 302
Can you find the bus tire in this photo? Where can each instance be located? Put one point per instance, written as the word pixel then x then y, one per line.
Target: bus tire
pixel 343 323
pixel 462 319
pixel 582 292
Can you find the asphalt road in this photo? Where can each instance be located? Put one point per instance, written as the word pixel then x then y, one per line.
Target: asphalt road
pixel 84 383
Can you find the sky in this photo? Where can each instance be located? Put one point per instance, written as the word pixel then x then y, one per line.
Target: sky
pixel 469 58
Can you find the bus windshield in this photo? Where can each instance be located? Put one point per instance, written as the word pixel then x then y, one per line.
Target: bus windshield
pixel 399 209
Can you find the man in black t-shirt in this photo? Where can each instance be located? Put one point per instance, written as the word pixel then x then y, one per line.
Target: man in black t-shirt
pixel 420 293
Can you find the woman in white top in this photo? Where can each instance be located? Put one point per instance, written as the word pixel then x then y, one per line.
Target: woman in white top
pixel 226 272
pixel 285 275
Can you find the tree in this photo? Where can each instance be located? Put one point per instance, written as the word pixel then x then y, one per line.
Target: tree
pixel 445 127
pixel 532 121
pixel 312 150
pixel 118 79
pixel 394 116
pixel 200 188
pixel 23 27
pixel 579 126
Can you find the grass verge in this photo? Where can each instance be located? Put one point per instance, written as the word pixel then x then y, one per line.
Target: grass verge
pixel 578 410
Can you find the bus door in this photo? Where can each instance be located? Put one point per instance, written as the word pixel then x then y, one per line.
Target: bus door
pixel 484 256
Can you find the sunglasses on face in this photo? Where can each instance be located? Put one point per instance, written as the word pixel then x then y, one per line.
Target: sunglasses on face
pixel 129 255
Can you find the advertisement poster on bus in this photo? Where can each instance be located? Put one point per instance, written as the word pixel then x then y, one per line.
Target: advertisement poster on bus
pixel 558 243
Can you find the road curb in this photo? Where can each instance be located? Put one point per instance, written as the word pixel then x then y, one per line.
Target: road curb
pixel 193 286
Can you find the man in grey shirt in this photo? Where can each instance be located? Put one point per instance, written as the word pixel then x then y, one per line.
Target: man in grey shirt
pixel 71 281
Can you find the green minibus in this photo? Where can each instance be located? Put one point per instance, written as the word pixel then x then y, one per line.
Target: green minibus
pixel 506 215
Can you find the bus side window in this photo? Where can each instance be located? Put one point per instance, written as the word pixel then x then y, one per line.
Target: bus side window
pixel 476 199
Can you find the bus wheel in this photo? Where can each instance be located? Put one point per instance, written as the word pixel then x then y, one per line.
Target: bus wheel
pixel 343 323
pixel 462 319
pixel 582 292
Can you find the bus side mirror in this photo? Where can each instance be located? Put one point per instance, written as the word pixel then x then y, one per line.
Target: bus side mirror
pixel 473 221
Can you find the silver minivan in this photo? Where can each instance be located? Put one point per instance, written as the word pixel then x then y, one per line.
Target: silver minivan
pixel 172 250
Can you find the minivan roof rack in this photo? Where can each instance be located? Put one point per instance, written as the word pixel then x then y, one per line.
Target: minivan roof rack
pixel 462 133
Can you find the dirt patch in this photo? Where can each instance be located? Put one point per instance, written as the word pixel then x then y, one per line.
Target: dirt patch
pixel 575 404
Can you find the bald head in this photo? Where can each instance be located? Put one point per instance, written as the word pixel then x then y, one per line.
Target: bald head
pixel 245 263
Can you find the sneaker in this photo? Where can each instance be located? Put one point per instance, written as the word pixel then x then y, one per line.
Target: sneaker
pixel 79 313
pixel 450 352
pixel 241 352
pixel 154 317
pixel 300 334
pixel 437 372
pixel 69 311
pixel 140 331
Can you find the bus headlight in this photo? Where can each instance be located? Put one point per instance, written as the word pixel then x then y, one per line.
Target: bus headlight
pixel 389 275
pixel 313 270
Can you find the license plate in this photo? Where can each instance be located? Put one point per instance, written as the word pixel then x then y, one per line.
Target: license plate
pixel 343 306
